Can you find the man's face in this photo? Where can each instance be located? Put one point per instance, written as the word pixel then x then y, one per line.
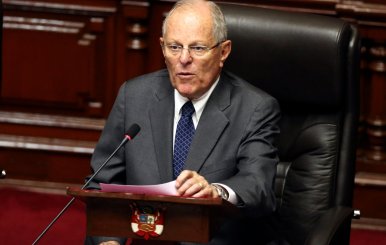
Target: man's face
pixel 192 75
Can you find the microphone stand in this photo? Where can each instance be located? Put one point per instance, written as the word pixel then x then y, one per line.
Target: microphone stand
pixel 124 141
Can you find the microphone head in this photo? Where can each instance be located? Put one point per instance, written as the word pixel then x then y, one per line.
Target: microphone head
pixel 133 131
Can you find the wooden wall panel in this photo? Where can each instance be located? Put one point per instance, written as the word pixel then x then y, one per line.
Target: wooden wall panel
pixel 370 18
pixel 56 57
pixel 64 61
pixel 158 13
pixel 45 165
pixel 30 56
pixel 133 43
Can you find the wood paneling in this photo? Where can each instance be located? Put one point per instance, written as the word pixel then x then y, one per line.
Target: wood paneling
pixel 50 165
pixel 56 57
pixel 370 18
pixel 132 40
pixel 369 196
pixel 63 62
pixel 47 148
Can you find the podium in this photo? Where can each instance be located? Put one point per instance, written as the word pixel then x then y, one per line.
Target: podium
pixel 184 219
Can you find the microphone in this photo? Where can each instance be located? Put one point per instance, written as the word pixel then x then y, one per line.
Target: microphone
pixel 131 133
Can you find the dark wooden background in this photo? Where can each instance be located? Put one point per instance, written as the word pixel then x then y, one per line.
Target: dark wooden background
pixel 63 62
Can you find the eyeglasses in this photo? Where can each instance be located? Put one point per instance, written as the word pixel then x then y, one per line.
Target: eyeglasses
pixel 195 50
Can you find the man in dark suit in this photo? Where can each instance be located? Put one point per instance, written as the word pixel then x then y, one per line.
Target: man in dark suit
pixel 232 153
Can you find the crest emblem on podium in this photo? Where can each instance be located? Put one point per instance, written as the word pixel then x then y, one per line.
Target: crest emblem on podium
pixel 147 221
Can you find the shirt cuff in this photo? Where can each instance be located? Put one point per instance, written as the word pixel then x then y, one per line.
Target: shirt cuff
pixel 232 198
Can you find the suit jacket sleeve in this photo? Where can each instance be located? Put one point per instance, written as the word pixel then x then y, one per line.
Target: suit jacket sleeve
pixel 256 153
pixel 257 159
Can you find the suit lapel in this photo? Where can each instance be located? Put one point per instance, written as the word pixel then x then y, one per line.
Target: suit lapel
pixel 161 120
pixel 210 127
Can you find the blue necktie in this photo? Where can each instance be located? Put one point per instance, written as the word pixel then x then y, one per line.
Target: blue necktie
pixel 183 139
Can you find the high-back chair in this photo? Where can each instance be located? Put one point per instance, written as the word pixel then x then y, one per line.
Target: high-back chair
pixel 310 64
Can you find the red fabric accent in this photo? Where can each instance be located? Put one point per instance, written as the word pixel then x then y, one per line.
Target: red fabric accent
pixel 367 237
pixel 24 215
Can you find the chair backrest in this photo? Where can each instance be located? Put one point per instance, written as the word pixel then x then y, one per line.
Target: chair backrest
pixel 310 64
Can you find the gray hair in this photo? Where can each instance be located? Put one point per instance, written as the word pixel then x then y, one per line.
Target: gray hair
pixel 219 26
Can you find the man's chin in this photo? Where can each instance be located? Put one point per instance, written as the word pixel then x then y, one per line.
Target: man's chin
pixel 187 95
pixel 186 92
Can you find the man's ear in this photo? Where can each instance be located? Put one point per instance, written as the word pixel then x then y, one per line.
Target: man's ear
pixel 226 48
pixel 161 42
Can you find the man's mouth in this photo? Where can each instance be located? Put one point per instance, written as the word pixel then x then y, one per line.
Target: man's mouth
pixel 185 74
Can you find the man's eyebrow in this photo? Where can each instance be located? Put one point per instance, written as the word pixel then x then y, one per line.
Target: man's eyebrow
pixel 194 43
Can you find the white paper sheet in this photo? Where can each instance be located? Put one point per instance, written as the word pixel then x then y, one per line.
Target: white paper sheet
pixel 168 189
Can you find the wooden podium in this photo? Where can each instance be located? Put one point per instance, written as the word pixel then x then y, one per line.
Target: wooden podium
pixel 184 219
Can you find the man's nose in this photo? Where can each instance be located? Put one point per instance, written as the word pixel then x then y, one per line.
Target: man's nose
pixel 185 56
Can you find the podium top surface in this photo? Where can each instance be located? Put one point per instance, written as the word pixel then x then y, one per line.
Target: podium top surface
pixel 86 194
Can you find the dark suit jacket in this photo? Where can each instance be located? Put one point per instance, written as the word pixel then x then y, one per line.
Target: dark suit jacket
pixel 233 143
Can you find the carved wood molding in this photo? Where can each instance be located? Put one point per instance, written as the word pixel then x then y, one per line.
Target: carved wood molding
pixel 136 33
pixel 136 14
pixel 86 30
pixel 57 7
pixel 369 224
pixel 47 144
pixel 361 9
pixel 374 112
pixel 40 24
pixel 84 22
pixel 44 120
pixel 93 27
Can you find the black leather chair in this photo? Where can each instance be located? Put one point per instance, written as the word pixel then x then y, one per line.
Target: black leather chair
pixel 310 63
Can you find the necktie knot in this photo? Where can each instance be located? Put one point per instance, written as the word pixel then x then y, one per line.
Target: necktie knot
pixel 187 109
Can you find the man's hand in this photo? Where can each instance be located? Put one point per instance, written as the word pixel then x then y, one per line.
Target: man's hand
pixel 191 184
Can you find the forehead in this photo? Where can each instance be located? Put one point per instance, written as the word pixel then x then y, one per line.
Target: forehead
pixel 189 24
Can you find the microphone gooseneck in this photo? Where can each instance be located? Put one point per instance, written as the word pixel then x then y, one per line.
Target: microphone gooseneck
pixel 131 133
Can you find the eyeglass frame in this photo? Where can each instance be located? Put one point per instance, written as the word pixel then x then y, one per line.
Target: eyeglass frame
pixel 189 48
